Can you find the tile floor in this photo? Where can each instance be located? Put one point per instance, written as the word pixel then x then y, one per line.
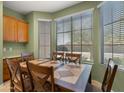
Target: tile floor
pixel 5 87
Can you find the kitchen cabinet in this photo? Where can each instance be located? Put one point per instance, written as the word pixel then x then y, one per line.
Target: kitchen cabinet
pixel 10 29
pixel 22 32
pixel 6 75
pixel 15 30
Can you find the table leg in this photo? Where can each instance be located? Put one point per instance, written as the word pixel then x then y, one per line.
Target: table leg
pixel 90 79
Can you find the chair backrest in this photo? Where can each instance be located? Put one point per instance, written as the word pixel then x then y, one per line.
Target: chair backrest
pixel 15 74
pixel 109 76
pixel 38 71
pixel 18 77
pixel 27 56
pixel 58 55
pixel 73 57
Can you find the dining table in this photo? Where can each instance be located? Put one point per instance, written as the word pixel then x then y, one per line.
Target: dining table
pixel 70 77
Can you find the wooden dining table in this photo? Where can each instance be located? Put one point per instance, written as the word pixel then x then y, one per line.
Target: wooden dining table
pixel 70 77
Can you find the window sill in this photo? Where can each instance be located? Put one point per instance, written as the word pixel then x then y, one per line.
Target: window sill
pixel 88 62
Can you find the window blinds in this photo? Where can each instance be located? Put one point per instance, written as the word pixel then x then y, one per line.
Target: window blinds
pixel 74 34
pixel 113 28
pixel 113 20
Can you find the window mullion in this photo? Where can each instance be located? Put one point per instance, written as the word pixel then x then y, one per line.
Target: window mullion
pixel 81 34
pixel 71 35
pixel 63 35
pixel 112 30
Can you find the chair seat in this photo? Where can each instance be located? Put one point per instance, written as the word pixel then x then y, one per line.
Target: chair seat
pixel 92 88
pixel 27 86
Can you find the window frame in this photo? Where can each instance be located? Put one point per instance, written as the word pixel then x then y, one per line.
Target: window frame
pixel 81 31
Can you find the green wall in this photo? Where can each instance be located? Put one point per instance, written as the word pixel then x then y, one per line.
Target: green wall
pixel 1 40
pixel 53 37
pixel 32 19
pixel 17 48
pixel 9 12
pixel 75 8
pixel 37 15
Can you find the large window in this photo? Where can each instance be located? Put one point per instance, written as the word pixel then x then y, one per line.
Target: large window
pixel 112 14
pixel 74 34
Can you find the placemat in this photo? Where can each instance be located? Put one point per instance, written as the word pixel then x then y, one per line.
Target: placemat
pixel 69 73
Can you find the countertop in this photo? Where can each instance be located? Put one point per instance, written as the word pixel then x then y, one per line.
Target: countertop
pixel 12 56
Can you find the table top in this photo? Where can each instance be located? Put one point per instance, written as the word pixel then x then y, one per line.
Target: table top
pixel 73 77
pixel 43 62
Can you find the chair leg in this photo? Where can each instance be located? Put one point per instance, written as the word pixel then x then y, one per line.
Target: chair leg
pixel 11 87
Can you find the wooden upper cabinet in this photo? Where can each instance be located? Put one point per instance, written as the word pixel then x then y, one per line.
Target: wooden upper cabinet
pixel 22 32
pixel 15 30
pixel 10 29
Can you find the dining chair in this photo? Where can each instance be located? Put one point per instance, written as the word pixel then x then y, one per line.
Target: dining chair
pixel 58 56
pixel 27 56
pixel 43 77
pixel 73 57
pixel 19 81
pixel 107 81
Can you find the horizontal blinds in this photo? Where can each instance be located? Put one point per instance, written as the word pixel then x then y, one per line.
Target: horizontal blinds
pixel 74 34
pixel 113 28
pixel 113 16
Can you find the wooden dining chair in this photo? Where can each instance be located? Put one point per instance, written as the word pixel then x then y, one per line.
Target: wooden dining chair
pixel 58 56
pixel 27 56
pixel 19 81
pixel 43 77
pixel 73 57
pixel 107 81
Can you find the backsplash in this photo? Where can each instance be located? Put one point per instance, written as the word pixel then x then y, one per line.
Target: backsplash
pixel 13 49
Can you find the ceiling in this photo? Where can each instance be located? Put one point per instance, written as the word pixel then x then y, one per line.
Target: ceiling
pixel 25 7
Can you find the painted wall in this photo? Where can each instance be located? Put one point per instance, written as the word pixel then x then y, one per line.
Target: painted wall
pixel 17 48
pixel 32 19
pixel 9 12
pixel 1 40
pixel 98 68
pixel 75 8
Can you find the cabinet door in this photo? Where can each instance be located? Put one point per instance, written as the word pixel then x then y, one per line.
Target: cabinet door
pixel 6 75
pixel 13 31
pixel 10 29
pixel 22 32
pixel 6 28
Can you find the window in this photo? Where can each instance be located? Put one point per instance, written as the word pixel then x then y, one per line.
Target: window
pixel 112 14
pixel 74 34
pixel 44 39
